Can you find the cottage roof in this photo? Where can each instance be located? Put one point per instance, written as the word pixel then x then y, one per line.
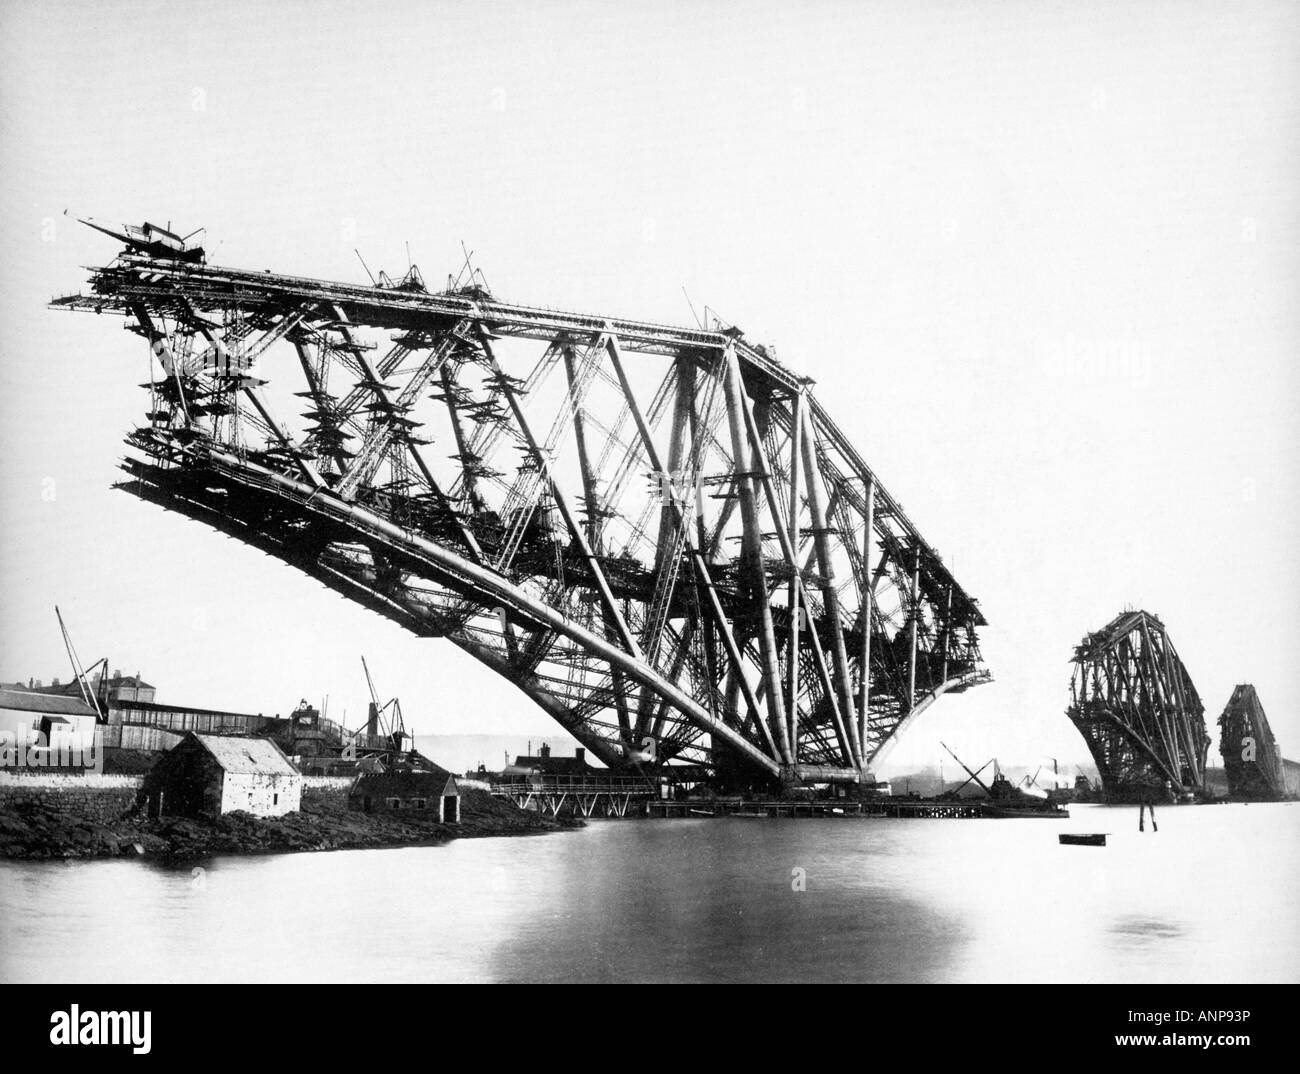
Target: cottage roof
pixel 26 701
pixel 189 710
pixel 72 689
pixel 246 755
pixel 405 784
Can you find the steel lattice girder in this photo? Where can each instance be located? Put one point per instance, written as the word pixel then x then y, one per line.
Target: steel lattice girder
pixel 1136 707
pixel 657 533
pixel 1251 759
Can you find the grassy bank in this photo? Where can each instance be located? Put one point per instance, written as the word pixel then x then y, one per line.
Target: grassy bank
pixel 32 831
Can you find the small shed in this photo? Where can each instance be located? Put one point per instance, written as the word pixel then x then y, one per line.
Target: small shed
pixel 390 792
pixel 221 774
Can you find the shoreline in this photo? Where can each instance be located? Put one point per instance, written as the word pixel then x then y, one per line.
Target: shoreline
pixel 39 832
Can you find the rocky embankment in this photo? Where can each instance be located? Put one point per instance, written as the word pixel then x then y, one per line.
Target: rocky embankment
pixel 34 831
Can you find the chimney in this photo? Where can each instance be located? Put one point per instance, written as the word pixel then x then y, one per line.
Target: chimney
pixel 546 750
pixel 580 755
pixel 372 720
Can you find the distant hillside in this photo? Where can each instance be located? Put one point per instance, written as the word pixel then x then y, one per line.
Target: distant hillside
pixel 930 780
pixel 1216 782
pixel 463 753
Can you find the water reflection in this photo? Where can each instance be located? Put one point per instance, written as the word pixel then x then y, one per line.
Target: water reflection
pixel 693 900
pixel 1145 929
pixel 719 900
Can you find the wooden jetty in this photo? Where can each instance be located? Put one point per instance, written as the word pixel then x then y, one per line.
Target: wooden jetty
pixel 918 808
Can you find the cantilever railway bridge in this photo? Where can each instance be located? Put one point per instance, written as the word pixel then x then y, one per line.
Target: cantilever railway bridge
pixel 1251 759
pixel 1136 707
pixel 657 533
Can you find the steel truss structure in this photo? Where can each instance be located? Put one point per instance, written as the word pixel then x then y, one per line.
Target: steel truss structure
pixel 1251 759
pixel 657 533
pixel 1136 707
pixel 608 799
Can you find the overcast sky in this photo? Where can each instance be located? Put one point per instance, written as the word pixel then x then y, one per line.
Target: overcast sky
pixel 1041 260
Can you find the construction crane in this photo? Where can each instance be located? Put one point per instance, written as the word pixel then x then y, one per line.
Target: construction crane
pixel 87 691
pixel 1028 780
pixel 970 775
pixel 385 719
pixel 153 241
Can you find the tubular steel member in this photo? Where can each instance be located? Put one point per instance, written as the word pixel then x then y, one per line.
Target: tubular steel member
pixel 656 533
pixel 1136 707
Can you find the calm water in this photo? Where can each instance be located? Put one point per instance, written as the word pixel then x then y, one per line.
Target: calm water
pixel 1214 896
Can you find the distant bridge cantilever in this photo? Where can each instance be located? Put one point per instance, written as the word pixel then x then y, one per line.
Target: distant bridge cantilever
pixel 656 533
pixel 1136 707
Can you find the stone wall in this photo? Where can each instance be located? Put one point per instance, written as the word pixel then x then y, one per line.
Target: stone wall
pixel 94 796
pixel 264 794
pixel 103 797
pixel 329 792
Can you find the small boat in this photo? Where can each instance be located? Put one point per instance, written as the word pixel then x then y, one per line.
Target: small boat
pixel 1015 812
pixel 701 812
pixel 757 816
pixel 1082 839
